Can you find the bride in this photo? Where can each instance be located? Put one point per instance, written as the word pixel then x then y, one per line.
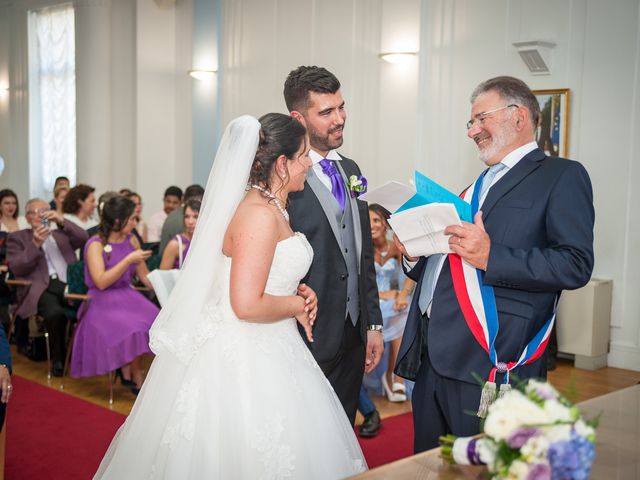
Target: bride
pixel 233 392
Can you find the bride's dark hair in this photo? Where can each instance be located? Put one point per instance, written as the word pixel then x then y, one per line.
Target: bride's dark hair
pixel 279 135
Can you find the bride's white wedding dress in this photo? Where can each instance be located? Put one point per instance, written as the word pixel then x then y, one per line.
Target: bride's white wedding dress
pixel 251 403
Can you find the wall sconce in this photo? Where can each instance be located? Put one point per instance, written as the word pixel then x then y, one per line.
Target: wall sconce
pixel 202 74
pixel 397 57
pixel 536 55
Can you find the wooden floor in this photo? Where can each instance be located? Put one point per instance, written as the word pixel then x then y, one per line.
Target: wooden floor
pixel 576 384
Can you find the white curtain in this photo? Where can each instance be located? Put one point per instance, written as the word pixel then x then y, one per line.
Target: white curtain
pixel 52 105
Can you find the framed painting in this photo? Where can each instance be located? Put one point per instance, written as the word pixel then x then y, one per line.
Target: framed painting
pixel 553 132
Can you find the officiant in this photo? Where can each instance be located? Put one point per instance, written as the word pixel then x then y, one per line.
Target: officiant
pixel 486 310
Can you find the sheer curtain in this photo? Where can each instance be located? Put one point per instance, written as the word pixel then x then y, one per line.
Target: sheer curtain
pixel 52 94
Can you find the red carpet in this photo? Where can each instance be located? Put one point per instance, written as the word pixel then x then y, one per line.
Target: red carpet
pixel 393 442
pixel 54 436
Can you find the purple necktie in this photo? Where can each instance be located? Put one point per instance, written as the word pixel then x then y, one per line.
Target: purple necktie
pixel 337 185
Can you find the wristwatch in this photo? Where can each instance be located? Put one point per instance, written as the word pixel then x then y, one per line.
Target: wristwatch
pixel 375 328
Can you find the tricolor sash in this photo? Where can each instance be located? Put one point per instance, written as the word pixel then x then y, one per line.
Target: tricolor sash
pixel 478 305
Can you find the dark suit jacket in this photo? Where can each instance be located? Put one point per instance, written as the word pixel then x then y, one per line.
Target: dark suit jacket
pixel 540 219
pixel 327 275
pixel 28 262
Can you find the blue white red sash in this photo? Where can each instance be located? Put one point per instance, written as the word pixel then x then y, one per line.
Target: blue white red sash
pixel 478 305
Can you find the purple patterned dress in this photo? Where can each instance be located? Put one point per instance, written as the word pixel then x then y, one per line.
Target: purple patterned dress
pixel 114 322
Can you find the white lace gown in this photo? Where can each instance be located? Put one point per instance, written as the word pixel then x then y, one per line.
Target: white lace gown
pixel 251 404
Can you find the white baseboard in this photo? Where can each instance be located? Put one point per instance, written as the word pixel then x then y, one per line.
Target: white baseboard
pixel 624 356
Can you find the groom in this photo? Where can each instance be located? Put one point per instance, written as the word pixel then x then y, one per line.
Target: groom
pixel 348 330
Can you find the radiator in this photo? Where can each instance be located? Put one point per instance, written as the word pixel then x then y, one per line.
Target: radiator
pixel 583 323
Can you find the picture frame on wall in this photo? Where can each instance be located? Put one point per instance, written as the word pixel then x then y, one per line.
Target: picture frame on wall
pixel 552 134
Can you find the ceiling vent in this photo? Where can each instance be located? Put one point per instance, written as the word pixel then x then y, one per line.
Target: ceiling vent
pixel 536 55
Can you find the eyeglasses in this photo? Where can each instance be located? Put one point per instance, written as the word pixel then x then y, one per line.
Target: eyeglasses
pixel 482 116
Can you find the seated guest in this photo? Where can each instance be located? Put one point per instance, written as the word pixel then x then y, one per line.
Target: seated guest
pixel 102 200
pixel 59 183
pixel 114 323
pixel 173 225
pixel 41 254
pixel 176 251
pixel 59 194
pixel 9 211
pixel 171 200
pixel 80 205
pixel 141 230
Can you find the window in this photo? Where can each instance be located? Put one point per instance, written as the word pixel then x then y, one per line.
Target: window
pixel 52 98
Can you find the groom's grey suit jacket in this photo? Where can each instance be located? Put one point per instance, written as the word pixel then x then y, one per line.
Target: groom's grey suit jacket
pixel 342 265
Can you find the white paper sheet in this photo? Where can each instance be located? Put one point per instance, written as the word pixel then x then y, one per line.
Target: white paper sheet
pixel 390 195
pixel 421 229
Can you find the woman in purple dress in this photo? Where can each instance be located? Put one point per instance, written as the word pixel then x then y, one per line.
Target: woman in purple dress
pixel 177 248
pixel 114 322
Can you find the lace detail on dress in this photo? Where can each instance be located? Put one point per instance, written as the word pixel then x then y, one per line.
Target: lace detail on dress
pixel 183 421
pixel 277 459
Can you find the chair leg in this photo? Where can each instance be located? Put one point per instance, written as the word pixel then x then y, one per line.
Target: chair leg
pixel 111 376
pixel 46 342
pixel 67 358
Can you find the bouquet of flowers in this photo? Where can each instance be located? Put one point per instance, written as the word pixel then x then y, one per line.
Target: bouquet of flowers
pixel 529 433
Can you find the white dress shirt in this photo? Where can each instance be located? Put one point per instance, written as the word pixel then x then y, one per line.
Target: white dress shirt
pixel 317 168
pixel 55 261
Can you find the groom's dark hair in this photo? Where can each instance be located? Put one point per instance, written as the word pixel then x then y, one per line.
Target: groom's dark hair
pixel 303 80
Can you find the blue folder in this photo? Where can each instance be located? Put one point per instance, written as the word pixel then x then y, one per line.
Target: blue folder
pixel 428 191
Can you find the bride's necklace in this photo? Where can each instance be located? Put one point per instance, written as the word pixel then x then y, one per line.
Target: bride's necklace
pixel 277 203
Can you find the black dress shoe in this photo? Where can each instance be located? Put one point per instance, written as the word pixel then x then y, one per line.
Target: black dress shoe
pixel 57 369
pixel 124 381
pixel 371 425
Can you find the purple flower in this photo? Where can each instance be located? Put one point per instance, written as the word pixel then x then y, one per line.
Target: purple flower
pixel 539 471
pixel 520 436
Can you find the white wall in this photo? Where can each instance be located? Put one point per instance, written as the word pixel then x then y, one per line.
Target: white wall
pixel 263 40
pixel 133 99
pixel 597 56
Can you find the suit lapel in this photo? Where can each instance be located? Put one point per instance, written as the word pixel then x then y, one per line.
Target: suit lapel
pixel 320 191
pixel 519 172
pixel 355 213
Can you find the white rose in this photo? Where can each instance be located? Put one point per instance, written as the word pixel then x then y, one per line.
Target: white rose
pixel 558 433
pixel 556 411
pixel 543 389
pixel 511 412
pixel 518 470
pixel 535 448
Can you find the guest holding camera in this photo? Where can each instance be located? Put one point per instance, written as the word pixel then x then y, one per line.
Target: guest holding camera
pixel 41 254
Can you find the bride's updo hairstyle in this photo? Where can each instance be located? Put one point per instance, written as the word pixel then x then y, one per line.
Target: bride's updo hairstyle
pixel 115 213
pixel 279 135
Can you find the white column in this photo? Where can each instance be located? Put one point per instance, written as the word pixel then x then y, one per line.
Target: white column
pixel 93 93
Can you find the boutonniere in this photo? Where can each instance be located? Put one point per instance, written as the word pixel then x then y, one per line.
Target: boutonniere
pixel 357 185
pixel 107 249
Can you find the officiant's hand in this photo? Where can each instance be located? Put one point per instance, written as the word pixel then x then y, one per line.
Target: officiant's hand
pixel 375 348
pixel 470 241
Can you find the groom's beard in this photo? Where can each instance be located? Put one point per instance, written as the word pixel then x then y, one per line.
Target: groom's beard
pixel 325 142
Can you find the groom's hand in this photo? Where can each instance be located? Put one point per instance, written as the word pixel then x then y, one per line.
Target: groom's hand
pixel 375 348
